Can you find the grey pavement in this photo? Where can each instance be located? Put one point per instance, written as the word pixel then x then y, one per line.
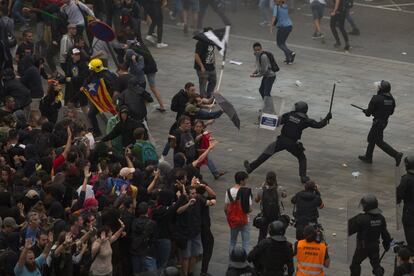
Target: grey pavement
pixel 331 152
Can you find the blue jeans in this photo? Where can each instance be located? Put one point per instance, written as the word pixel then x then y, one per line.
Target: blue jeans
pixel 143 264
pixel 203 114
pixel 350 19
pixel 212 167
pixel 245 235
pixel 266 86
pixel 163 252
pixel 166 149
pixel 281 37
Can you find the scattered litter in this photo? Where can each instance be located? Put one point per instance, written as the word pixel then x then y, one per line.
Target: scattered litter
pixel 298 83
pixel 356 174
pixel 341 208
pixel 334 234
pixel 404 53
pixel 235 62
pixel 344 165
pixel 338 81
pixel 229 149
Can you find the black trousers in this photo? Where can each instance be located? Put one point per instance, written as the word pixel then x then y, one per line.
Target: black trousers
pixel 409 237
pixel 155 12
pixel 263 231
pixel 376 137
pixel 371 252
pixel 207 240
pixel 338 20
pixel 283 143
pixel 217 7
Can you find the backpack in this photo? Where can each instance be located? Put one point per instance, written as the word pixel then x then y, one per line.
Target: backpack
pixel 270 204
pixel 175 102
pixel 273 65
pixel 147 150
pixel 235 215
pixel 8 25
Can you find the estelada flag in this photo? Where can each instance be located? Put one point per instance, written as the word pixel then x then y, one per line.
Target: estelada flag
pixel 99 96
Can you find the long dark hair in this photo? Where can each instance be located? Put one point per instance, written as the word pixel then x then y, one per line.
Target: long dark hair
pixel 271 179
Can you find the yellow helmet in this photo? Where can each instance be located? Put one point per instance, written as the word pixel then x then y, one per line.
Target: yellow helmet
pixel 96 65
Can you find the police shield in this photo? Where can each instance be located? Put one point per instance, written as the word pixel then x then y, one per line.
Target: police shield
pixel 273 105
pixel 399 171
pixel 352 209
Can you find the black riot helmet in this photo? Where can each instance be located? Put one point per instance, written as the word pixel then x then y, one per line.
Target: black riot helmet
pixel 384 87
pixel 409 163
pixel 276 228
pixel 301 107
pixel 238 255
pixel 171 271
pixel 369 204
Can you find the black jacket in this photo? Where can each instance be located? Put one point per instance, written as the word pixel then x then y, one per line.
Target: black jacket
pixel 135 97
pixel 369 228
pixel 125 129
pixel 143 232
pixel 18 91
pixel 405 192
pixel 294 123
pixel 307 204
pixel 381 106
pixel 178 103
pixel 270 257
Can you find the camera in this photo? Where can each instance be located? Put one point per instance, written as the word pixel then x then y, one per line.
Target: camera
pixel 397 245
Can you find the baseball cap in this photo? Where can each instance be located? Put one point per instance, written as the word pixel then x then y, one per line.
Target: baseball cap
pixel 126 171
pixel 75 51
pixel 10 222
pixel 71 26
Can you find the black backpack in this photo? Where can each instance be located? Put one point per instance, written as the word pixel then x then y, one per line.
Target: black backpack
pixel 273 65
pixel 270 204
pixel 6 255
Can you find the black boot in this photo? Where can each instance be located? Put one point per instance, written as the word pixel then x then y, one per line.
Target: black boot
pixel 365 159
pixel 355 32
pixel 247 166
pixel 304 179
pixel 398 159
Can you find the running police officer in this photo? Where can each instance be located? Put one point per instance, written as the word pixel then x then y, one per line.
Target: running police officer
pixel 405 192
pixel 381 107
pixel 294 123
pixel 311 254
pixel 369 226
pixel 271 255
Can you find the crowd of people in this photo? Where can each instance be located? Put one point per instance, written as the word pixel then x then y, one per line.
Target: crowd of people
pixel 77 199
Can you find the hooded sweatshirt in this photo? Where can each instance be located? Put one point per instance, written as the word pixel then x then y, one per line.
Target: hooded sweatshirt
pixel 307 204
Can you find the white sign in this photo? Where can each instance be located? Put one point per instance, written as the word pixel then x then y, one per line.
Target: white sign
pixel 268 121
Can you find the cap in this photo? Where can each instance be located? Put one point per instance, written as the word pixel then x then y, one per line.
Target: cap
pixel 31 194
pixel 75 51
pixel 126 171
pixel 71 26
pixel 123 109
pixel 10 222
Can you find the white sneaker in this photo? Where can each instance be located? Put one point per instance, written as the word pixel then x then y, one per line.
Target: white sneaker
pixel 150 38
pixel 162 45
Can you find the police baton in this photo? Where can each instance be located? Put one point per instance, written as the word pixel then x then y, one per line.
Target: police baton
pixel 382 256
pixel 354 105
pixel 332 97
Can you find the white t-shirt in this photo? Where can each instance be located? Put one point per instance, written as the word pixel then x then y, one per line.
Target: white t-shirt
pixel 233 192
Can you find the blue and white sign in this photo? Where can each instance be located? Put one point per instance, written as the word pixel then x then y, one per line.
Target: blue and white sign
pixel 268 121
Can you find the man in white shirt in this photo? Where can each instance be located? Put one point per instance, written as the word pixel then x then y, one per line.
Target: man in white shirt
pixel 243 195
pixel 66 43
pixel 74 9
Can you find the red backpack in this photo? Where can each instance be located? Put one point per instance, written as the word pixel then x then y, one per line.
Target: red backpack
pixel 235 215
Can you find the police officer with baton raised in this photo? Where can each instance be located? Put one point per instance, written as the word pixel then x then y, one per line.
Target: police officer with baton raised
pixel 381 106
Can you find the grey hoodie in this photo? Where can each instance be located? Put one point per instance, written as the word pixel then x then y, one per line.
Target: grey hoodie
pixel 263 67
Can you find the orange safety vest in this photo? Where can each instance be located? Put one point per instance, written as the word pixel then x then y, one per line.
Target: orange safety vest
pixel 310 258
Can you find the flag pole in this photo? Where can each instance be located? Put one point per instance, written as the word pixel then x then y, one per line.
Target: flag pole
pixel 226 36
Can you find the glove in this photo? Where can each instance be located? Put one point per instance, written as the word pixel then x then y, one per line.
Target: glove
pixel 366 112
pixel 386 245
pixel 328 116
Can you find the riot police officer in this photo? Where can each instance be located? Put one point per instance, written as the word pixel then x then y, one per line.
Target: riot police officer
pixel 369 226
pixel 294 123
pixel 381 107
pixel 238 265
pixel 405 192
pixel 271 255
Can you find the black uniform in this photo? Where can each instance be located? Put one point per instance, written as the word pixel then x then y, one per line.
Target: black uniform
pixel 293 124
pixel 381 107
pixel 369 228
pixel 405 192
pixel 270 257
